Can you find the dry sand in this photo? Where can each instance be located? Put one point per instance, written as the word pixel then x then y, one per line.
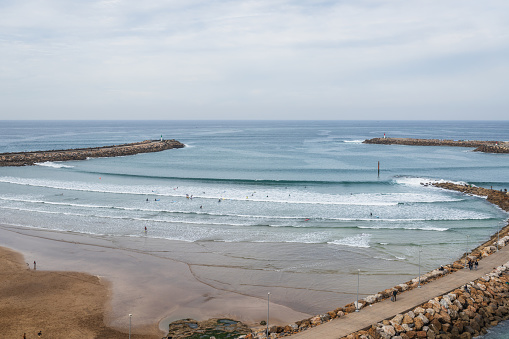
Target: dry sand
pixel 57 304
pixel 144 281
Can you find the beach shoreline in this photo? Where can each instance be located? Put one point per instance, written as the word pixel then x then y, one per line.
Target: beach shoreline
pixel 139 275
pixel 155 289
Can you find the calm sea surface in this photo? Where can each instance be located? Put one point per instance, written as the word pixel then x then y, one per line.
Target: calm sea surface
pixel 300 198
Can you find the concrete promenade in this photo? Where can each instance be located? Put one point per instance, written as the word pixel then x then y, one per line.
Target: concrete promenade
pixel 406 301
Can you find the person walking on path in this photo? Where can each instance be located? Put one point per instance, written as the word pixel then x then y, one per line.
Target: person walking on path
pixel 35 265
pixel 394 293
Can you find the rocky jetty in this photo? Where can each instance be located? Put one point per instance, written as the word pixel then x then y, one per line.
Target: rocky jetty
pixel 30 158
pixel 492 149
pixel 465 312
pixel 479 145
pixel 499 198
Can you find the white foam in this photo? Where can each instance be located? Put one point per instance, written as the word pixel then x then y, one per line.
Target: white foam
pixel 416 181
pixel 360 240
pixel 214 192
pixel 53 164
pixel 426 228
pixel 354 141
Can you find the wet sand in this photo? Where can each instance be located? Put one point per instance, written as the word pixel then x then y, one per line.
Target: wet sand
pixel 144 279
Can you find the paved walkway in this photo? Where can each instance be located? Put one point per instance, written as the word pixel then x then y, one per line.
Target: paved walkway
pixel 406 301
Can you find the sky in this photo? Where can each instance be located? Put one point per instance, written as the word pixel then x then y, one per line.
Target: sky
pixel 259 59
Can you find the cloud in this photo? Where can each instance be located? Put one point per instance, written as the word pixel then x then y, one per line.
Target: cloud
pixel 253 59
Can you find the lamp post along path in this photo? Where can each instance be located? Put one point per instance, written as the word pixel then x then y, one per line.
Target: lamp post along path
pixel 419 285
pixel 358 280
pixel 130 316
pixel 268 306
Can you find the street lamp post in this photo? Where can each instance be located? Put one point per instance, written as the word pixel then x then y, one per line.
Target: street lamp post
pixel 130 316
pixel 268 307
pixel 466 253
pixel 358 279
pixel 419 285
pixel 498 237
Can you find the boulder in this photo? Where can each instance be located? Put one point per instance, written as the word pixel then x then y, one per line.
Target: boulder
pixel 424 319
pixel 444 318
pixel 421 334
pixel 402 287
pixel 406 327
pixel 397 319
pixel 418 323
pixel 446 327
pixel 370 299
pixel 389 329
pixel 407 319
pixel 435 325
pixel 419 310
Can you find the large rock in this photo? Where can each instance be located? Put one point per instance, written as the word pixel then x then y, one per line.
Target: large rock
pixel 397 319
pixel 422 317
pixel 418 323
pixel 407 319
pixel 389 329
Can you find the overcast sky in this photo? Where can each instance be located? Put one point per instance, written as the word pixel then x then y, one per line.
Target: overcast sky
pixel 260 59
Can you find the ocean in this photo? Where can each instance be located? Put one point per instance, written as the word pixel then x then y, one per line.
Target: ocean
pixel 297 207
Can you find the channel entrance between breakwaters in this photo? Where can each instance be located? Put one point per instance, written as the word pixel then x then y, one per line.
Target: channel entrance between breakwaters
pixel 31 158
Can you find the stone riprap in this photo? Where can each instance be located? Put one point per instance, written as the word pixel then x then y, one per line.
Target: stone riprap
pixel 31 158
pixel 465 312
pixel 479 145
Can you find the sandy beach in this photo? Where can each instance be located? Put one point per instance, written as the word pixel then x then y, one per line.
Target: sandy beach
pixel 146 284
pixel 49 304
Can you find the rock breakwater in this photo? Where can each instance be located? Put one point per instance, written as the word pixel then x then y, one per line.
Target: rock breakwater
pixel 479 145
pixel 31 158
pixel 465 312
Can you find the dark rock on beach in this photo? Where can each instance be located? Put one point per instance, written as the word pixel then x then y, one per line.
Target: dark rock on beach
pixel 212 328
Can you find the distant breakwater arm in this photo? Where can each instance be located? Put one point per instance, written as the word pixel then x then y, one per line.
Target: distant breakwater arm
pixel 30 158
pixel 499 198
pixel 479 145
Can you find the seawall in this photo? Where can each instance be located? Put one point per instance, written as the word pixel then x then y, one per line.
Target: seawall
pixel 30 158
pixel 479 145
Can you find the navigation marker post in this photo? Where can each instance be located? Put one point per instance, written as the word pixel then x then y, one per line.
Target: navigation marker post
pixel 379 169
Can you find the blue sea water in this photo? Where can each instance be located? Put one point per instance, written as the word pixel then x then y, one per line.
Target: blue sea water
pixel 294 197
